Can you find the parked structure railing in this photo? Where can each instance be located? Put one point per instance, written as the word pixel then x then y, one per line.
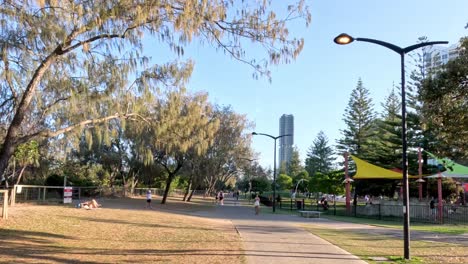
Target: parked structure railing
pixel 419 213
pixel 54 194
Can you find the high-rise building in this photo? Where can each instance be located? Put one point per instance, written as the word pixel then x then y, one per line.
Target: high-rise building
pixel 286 126
pixel 438 56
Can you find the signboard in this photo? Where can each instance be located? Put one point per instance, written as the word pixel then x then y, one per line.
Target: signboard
pixel 67 194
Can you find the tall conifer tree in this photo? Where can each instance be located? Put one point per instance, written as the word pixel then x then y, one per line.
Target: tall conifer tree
pixel 319 156
pixel 359 118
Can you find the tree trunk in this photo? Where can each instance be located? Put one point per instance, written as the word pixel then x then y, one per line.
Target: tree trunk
pixel 187 190
pixel 133 183
pixel 21 174
pixel 168 186
pixel 124 191
pixel 10 140
pixel 191 194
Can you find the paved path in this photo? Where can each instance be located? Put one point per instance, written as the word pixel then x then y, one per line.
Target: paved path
pixel 275 239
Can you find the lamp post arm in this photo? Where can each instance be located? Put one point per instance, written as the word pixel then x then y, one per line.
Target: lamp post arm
pixel 391 46
pixel 285 135
pixel 423 44
pixel 263 134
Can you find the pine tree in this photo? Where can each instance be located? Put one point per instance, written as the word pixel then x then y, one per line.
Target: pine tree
pixel 389 136
pixel 294 165
pixel 359 134
pixel 319 156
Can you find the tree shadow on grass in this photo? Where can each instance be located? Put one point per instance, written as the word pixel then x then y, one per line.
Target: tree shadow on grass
pixel 31 236
pixel 116 221
pixel 23 252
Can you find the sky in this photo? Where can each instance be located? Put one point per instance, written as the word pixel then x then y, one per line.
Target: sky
pixel 316 87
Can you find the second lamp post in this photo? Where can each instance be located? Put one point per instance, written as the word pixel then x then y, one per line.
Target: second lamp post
pixel 274 164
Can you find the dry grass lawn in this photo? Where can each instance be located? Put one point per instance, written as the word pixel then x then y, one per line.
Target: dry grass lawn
pixel 121 232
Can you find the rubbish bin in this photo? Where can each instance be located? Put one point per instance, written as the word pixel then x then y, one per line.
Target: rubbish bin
pixel 299 205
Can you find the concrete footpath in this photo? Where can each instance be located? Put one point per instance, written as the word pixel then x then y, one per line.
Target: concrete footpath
pixel 270 238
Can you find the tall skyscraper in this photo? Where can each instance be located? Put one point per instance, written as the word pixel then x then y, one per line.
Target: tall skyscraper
pixel 286 126
pixel 437 56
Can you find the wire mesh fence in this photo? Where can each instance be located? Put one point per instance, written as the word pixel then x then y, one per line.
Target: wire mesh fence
pixel 420 213
pixel 55 194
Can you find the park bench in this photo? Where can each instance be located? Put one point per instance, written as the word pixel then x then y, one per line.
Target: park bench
pixel 308 214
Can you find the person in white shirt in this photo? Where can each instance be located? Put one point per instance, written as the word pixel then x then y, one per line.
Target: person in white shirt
pixel 148 199
pixel 257 205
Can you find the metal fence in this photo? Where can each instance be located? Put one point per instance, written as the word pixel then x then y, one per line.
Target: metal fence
pixel 420 213
pixel 54 194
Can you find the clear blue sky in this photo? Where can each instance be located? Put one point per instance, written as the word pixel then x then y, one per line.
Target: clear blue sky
pixel 316 87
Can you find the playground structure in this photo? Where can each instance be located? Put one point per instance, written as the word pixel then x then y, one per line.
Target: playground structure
pixel 365 170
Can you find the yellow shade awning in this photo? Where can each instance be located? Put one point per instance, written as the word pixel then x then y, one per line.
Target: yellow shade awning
pixel 365 170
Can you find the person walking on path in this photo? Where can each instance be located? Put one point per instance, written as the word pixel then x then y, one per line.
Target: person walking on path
pixel 221 198
pixel 148 199
pixel 433 209
pixel 257 205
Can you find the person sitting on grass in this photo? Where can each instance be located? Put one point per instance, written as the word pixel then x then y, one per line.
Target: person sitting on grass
pixel 90 204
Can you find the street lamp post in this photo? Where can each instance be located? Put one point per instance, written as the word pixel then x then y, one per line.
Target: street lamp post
pixel 344 39
pixel 274 163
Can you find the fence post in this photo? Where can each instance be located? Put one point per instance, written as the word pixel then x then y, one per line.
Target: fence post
pixel 380 213
pixel 44 194
pixel 79 193
pixel 291 202
pixel 5 205
pixel 303 204
pixel 38 194
pixel 13 196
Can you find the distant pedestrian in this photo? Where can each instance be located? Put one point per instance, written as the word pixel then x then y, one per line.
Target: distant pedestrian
pixel 257 205
pixel 221 198
pixel 324 203
pixel 237 195
pixel 432 207
pixel 148 199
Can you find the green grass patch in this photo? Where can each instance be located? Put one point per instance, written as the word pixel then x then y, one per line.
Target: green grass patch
pixel 371 247
pixel 443 229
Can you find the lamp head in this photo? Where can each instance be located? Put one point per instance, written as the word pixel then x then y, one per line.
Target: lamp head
pixel 343 39
pixel 254 133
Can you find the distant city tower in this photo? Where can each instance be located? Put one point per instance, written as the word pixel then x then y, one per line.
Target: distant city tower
pixel 286 126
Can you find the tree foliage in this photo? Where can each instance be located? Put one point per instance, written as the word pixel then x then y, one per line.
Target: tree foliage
pixel 294 165
pixel 359 118
pixel 66 65
pixel 319 156
pixel 445 106
pixel 284 182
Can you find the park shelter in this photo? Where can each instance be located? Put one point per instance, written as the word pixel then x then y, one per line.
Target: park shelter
pixel 453 169
pixel 366 170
